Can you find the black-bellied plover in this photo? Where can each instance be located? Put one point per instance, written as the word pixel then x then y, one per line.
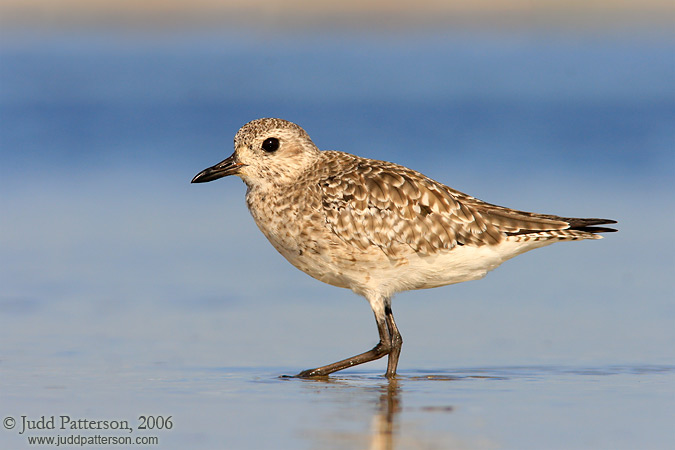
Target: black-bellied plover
pixel 375 227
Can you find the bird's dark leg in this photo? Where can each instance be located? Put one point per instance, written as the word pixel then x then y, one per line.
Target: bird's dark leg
pixel 396 341
pixel 390 344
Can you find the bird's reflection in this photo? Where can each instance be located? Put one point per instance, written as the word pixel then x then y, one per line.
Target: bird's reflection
pixel 368 411
pixel 384 396
pixel 384 425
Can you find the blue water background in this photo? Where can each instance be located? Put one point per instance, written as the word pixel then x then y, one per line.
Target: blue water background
pixel 125 288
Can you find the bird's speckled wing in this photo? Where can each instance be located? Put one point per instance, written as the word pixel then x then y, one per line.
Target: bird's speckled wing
pixel 397 209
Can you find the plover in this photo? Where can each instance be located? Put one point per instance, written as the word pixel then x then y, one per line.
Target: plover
pixel 376 227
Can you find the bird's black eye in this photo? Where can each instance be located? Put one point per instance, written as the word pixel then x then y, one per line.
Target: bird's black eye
pixel 270 145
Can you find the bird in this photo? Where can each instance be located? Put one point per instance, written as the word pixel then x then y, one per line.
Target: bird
pixel 376 227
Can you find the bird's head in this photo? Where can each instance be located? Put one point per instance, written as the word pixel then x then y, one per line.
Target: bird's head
pixel 266 151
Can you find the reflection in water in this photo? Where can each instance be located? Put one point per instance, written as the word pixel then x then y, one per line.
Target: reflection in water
pixel 359 401
pixel 384 425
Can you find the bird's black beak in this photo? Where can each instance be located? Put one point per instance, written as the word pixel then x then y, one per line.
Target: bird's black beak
pixel 230 166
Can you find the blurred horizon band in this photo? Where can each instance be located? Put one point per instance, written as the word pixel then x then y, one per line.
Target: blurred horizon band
pixel 294 15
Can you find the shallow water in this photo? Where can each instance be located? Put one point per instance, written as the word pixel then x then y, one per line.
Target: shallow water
pixel 127 292
pixel 252 408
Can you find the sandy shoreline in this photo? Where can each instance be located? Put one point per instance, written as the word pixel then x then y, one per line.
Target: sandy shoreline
pixel 345 12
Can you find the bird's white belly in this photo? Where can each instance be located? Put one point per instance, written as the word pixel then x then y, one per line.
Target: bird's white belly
pixel 462 263
pixel 374 272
